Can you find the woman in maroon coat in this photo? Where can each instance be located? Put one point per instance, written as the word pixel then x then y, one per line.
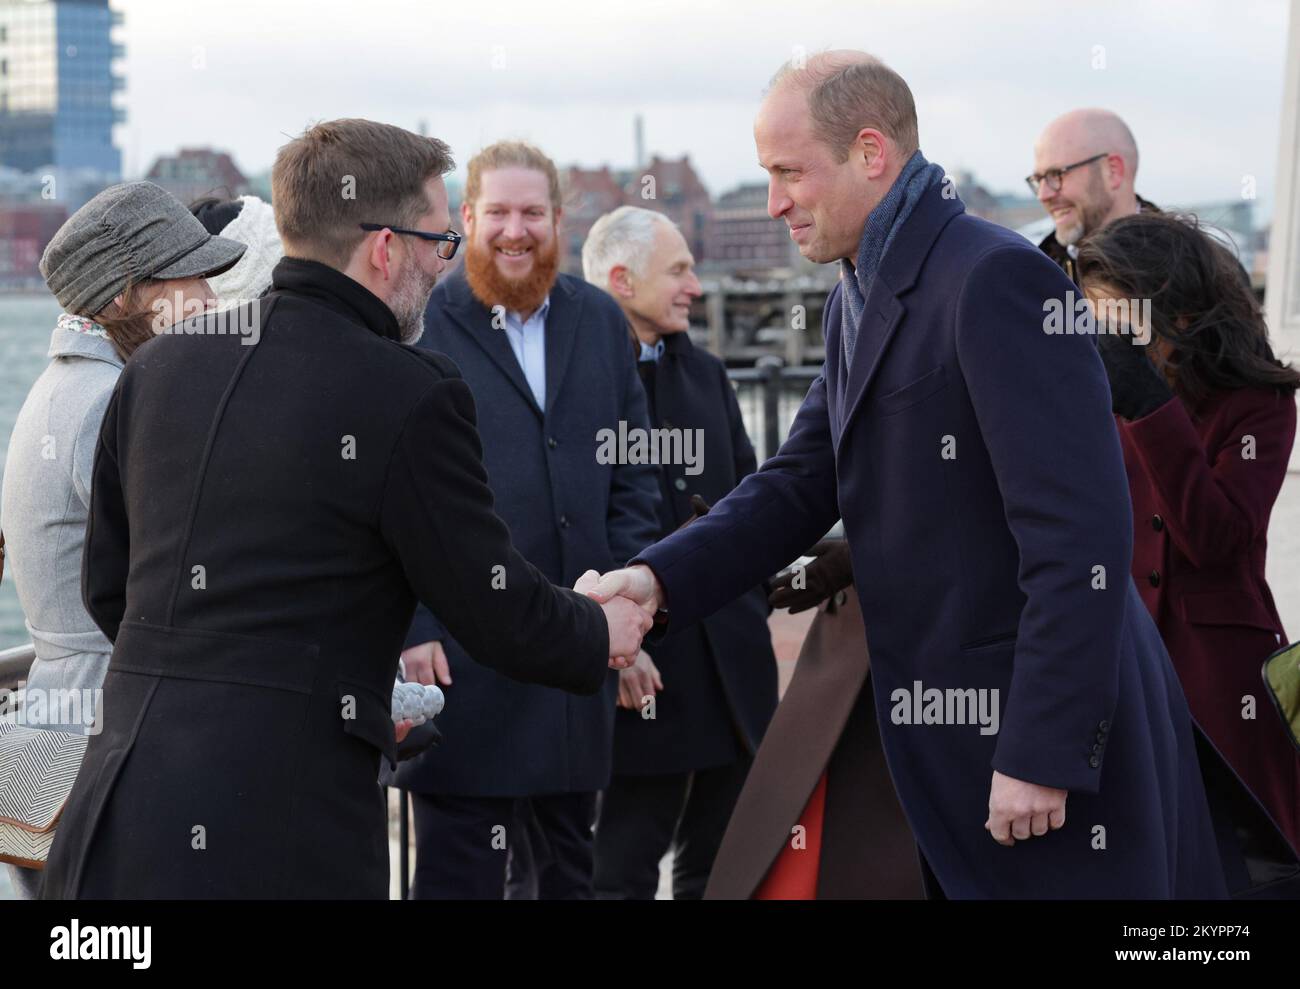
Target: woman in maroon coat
pixel 1207 417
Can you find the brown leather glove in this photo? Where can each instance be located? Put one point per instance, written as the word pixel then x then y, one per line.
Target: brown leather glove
pixel 831 571
pixel 699 509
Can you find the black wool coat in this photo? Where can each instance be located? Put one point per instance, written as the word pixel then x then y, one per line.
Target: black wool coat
pixel 263 520
pixel 720 683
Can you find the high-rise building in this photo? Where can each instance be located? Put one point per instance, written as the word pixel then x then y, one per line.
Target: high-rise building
pixel 57 84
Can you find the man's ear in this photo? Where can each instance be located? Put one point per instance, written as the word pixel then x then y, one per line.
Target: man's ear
pixel 377 256
pixel 1116 167
pixel 869 147
pixel 466 216
pixel 620 282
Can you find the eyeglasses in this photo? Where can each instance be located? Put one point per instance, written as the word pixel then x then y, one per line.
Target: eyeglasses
pixel 1053 176
pixel 446 249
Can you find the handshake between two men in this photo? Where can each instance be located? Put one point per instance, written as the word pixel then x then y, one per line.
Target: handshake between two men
pixel 629 598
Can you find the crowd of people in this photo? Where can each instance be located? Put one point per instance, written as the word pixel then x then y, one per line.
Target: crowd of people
pixel 244 545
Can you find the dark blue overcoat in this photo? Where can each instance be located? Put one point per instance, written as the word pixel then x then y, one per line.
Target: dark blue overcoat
pixel 567 513
pixel 974 460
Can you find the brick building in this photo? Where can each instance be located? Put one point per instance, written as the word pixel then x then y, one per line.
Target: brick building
pixel 669 186
pixel 193 173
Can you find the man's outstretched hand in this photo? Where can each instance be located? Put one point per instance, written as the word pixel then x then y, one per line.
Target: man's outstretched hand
pixel 1019 810
pixel 628 621
pixel 636 583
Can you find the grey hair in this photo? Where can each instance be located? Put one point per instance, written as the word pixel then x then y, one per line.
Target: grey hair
pixel 626 237
pixel 850 90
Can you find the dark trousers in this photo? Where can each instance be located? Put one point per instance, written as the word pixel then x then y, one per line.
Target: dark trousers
pixel 642 817
pixel 466 847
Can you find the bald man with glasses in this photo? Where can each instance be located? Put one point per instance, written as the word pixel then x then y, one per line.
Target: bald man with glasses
pixel 1085 163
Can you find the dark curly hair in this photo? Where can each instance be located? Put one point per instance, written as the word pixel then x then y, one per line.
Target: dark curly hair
pixel 1201 303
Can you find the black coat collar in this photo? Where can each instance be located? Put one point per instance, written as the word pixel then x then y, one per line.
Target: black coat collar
pixel 1053 248
pixel 676 345
pixel 337 292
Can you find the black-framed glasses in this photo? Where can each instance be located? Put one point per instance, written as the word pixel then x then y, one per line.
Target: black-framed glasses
pixel 448 242
pixel 1053 176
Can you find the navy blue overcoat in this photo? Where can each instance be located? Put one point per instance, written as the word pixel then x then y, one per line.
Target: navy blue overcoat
pixel 974 460
pixel 567 513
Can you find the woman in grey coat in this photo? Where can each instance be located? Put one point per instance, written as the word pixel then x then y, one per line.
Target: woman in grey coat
pixel 127 265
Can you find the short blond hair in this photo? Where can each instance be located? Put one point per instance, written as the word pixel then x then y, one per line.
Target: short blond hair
pixel 848 91
pixel 511 154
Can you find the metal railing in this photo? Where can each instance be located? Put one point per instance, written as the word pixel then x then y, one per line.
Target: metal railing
pixel 770 394
pixel 14 664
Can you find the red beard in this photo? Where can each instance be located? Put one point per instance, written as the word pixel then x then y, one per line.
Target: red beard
pixel 522 295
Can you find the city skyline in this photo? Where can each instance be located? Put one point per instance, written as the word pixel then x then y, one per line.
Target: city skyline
pixel 220 75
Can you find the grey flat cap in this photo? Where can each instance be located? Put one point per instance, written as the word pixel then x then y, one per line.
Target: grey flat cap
pixel 126 234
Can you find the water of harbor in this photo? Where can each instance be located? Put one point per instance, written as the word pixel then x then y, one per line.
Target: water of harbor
pixel 26 322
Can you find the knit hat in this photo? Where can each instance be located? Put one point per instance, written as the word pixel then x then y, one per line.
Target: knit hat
pixel 254 225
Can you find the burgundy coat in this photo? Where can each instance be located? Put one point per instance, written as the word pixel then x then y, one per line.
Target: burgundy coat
pixel 1201 506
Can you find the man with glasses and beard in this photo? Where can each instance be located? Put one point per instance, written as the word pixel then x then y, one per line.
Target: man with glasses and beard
pixel 263 519
pixel 1085 163
pixel 547 357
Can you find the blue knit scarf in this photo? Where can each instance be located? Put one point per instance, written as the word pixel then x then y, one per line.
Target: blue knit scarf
pixel 883 223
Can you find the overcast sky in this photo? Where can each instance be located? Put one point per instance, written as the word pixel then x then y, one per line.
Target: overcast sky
pixel 1199 81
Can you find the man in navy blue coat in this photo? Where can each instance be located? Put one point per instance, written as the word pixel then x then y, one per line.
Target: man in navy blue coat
pixel 547 358
pixel 1032 722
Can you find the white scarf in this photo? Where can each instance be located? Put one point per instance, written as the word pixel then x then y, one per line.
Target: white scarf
pixel 251 275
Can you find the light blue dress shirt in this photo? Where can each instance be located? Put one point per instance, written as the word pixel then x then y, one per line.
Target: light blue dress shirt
pixel 649 353
pixel 528 341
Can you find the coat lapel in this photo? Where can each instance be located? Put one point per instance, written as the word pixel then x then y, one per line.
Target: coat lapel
pixel 561 331
pixel 476 320
pixel 884 310
pixel 881 317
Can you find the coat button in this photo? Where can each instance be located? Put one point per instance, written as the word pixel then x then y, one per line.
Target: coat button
pixel 1094 762
pixel 1103 726
pixel 1154 578
pixel 1157 522
pixel 552 442
pixel 1101 736
pixel 564 521
pixel 680 484
pixel 1096 748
